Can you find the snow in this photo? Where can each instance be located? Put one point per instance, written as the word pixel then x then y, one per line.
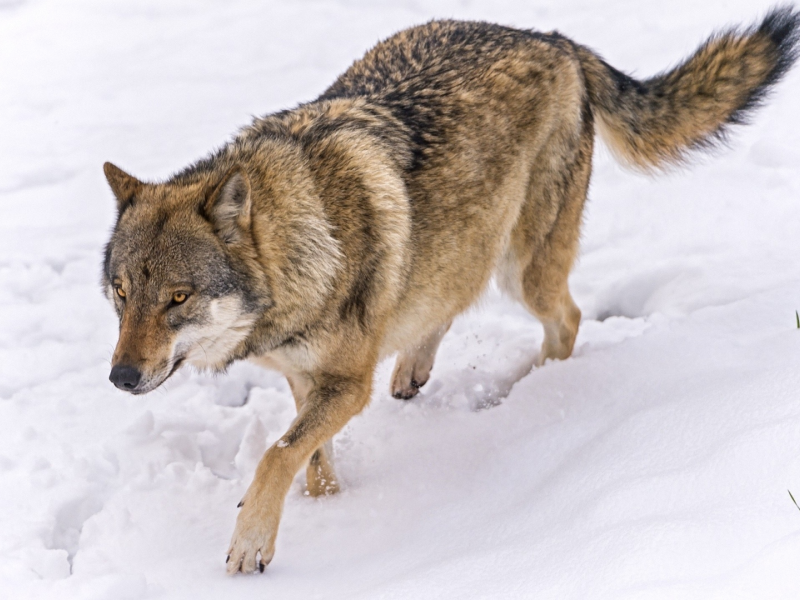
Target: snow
pixel 654 463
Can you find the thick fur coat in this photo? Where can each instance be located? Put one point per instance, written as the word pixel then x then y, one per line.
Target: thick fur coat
pixel 324 238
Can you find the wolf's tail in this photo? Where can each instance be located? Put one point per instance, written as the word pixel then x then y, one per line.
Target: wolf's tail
pixel 654 123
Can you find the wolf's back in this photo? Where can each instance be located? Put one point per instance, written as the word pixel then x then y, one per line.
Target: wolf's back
pixel 653 123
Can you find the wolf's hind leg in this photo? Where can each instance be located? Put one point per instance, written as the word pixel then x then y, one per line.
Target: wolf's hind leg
pixel 560 319
pixel 544 285
pixel 544 241
pixel 413 366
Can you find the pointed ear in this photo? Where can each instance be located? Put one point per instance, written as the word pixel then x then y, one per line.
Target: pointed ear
pixel 227 207
pixel 123 185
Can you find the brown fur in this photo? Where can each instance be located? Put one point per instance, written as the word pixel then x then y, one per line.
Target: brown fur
pixel 324 238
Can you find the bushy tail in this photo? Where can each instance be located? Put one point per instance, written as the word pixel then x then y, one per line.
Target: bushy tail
pixel 654 123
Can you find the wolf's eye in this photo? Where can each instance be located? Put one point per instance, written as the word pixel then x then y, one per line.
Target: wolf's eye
pixel 179 298
pixel 120 291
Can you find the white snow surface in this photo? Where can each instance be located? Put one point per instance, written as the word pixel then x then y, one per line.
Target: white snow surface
pixel 654 463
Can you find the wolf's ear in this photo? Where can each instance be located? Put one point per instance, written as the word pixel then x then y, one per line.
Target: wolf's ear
pixel 123 185
pixel 227 207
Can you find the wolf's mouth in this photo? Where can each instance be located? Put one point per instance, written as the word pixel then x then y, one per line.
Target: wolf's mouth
pixel 175 366
pixel 147 389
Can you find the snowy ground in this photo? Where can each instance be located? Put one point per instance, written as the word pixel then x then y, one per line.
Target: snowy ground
pixel 655 463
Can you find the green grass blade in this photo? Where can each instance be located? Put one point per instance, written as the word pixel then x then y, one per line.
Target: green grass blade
pixel 793 500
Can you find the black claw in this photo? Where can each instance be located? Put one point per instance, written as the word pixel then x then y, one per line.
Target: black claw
pixel 227 559
pixel 405 395
pixel 240 505
pixel 261 567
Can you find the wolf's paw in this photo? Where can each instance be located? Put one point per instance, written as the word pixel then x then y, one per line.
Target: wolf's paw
pixel 413 367
pixel 407 389
pixel 319 486
pixel 409 376
pixel 253 542
pixel 320 475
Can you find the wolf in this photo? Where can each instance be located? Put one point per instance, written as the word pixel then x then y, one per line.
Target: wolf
pixel 325 238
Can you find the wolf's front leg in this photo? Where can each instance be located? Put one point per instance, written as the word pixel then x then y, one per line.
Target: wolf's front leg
pixel 333 400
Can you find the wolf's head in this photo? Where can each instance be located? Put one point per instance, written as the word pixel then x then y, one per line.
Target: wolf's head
pixel 179 271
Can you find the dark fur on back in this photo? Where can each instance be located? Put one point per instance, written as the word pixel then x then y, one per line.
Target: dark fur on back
pixel 417 74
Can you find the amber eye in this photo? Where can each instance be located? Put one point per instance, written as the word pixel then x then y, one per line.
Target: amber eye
pixel 120 292
pixel 179 298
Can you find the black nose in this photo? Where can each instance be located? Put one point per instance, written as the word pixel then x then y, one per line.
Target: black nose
pixel 125 377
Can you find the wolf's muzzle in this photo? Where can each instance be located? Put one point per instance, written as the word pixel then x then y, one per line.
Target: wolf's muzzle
pixel 125 377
